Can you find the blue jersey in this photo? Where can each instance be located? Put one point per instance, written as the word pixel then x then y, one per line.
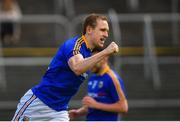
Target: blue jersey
pixel 104 88
pixel 60 83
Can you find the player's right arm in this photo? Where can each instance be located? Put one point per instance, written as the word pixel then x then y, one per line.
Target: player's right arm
pixel 75 113
pixel 79 65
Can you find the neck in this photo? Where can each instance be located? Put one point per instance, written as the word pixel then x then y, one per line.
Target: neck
pixel 89 41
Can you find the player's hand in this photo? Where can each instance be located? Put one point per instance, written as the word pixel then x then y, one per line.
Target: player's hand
pixel 73 114
pixel 112 48
pixel 89 101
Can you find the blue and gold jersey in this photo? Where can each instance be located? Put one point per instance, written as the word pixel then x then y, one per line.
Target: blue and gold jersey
pixel 105 88
pixel 60 83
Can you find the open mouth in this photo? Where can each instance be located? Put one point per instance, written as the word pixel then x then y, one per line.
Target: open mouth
pixel 102 39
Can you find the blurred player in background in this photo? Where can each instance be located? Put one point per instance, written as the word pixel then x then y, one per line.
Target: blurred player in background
pixel 106 97
pixel 68 69
pixel 10 14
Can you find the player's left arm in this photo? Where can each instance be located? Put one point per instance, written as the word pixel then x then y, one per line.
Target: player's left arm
pixel 120 106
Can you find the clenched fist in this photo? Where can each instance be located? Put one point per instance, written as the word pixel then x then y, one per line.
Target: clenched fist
pixel 112 48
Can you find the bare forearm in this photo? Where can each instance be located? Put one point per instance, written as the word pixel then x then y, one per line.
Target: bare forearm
pixel 115 107
pixel 89 62
pixel 80 65
pixel 83 110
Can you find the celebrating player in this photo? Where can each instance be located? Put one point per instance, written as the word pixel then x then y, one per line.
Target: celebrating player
pixel 68 69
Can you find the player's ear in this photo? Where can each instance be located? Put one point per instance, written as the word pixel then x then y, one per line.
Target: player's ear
pixel 89 29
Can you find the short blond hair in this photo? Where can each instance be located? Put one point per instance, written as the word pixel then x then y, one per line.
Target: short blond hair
pixel 91 20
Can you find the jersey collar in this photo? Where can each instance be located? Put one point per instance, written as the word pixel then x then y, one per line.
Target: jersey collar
pixel 86 42
pixel 106 69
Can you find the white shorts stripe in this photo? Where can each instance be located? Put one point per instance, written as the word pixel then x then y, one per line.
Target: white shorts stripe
pixel 26 104
pixel 31 108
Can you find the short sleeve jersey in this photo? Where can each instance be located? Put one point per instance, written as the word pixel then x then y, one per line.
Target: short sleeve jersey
pixel 59 82
pixel 104 88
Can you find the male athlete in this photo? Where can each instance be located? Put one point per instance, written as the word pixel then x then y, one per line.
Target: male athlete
pixel 106 96
pixel 68 69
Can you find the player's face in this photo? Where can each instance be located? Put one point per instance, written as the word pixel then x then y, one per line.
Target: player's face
pixel 100 33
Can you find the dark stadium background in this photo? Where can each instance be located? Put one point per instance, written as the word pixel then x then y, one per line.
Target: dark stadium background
pixel 147 31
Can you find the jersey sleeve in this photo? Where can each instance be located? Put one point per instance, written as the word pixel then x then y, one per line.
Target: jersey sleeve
pixel 72 48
